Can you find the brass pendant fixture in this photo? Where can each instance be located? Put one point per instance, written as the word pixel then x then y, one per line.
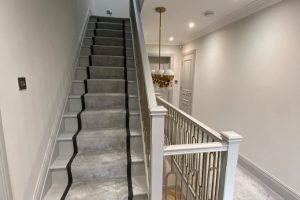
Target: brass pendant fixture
pixel 162 78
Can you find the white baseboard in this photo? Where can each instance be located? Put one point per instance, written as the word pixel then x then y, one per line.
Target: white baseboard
pixel 65 89
pixel 269 180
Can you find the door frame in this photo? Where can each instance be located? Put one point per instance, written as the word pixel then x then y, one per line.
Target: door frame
pixel 5 186
pixel 193 53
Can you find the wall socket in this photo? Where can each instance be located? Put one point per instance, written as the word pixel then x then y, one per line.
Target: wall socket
pixel 22 83
pixel 109 12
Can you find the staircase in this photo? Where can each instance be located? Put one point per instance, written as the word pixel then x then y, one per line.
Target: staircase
pixel 99 150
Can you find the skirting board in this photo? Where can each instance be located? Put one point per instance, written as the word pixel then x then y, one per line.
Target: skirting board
pixel 39 189
pixel 273 183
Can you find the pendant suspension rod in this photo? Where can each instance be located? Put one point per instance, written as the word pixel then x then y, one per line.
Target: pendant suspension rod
pixel 159 46
pixel 160 10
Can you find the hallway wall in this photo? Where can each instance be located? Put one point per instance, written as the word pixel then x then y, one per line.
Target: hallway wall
pixel 247 80
pixel 120 8
pixel 38 40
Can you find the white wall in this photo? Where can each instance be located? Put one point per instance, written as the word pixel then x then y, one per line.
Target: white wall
pixel 175 52
pixel 38 40
pixel 247 80
pixel 120 8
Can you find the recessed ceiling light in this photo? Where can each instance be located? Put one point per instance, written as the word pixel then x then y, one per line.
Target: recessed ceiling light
pixel 209 13
pixel 171 38
pixel 191 25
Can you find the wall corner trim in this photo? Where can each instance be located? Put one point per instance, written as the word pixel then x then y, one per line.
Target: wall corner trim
pixel 40 185
pixel 269 180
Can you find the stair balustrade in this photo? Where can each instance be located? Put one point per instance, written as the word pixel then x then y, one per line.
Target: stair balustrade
pixel 185 159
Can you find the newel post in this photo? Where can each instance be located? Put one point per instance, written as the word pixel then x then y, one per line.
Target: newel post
pixel 157 152
pixel 228 166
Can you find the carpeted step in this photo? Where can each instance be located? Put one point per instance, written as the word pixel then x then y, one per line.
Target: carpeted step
pixel 102 140
pixel 103 119
pixel 106 72
pixel 106 85
pixel 109 33
pixel 93 166
pixel 105 60
pixel 108 50
pixel 101 101
pixel 114 189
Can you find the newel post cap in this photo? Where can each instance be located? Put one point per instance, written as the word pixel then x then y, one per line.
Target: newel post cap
pixel 231 137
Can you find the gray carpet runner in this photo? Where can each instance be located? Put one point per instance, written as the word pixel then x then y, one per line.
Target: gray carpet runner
pixel 102 165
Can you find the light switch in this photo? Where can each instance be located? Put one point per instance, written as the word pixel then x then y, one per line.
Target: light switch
pixel 22 83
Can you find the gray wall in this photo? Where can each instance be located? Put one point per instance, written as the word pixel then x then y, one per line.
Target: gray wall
pixel 120 8
pixel 38 40
pixel 247 80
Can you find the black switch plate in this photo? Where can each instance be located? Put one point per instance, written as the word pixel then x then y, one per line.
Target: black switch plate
pixel 22 83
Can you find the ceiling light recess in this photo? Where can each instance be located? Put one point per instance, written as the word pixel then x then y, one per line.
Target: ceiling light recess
pixel 191 24
pixel 171 38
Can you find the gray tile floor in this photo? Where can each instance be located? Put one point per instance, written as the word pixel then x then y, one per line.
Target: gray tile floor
pixel 248 187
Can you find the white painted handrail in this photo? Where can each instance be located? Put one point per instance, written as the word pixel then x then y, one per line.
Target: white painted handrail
pixel 153 116
pixel 194 148
pixel 145 60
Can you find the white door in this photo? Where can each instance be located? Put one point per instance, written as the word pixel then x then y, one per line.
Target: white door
pixel 186 87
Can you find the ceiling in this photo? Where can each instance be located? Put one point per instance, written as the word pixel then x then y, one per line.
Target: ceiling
pixel 175 21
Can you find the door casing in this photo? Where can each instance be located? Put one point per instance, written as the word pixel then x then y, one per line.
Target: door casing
pixel 193 55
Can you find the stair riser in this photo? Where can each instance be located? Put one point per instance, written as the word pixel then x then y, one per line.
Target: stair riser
pixel 117 169
pixel 131 75
pixel 110 73
pixel 81 74
pixel 59 176
pixel 69 124
pixel 103 120
pixel 107 61
pixel 98 60
pixel 109 86
pixel 88 41
pixel 86 51
pixel 107 19
pixel 106 86
pixel 66 147
pixel 133 104
pixel 105 142
pixel 105 50
pixel 106 73
pixel 108 142
pixel 105 102
pixel 140 197
pixel 77 88
pixel 84 61
pixel 137 169
pixel 136 144
pixel 112 26
pixel 132 88
pixel 74 105
pixel 108 33
pixel 135 122
pixel 102 50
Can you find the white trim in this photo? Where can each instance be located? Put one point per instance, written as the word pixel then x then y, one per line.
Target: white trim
pixel 181 149
pixel 5 186
pixel 251 8
pixel 40 186
pixel 269 180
